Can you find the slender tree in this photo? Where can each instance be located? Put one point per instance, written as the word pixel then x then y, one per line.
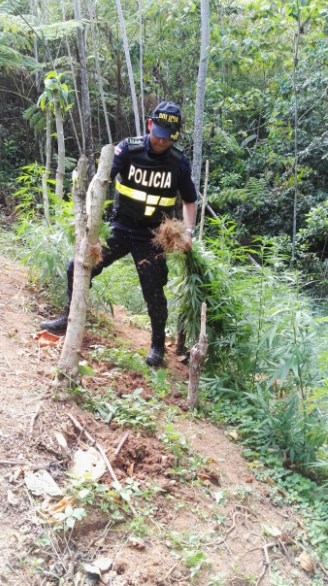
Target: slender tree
pixel 129 67
pixel 200 92
pixel 46 173
pixel 48 142
pixel 295 92
pixel 95 45
pixel 77 97
pixel 87 147
pixel 55 99
pixel 141 66
pixel 89 210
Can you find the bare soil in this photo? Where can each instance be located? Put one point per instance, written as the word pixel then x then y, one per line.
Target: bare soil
pixel 206 520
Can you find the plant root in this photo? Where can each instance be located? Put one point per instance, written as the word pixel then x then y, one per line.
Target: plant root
pixel 171 236
pixel 266 562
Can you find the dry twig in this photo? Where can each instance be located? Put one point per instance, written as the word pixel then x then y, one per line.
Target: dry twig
pixel 34 418
pixel 12 463
pixel 121 444
pixel 170 572
pixel 231 528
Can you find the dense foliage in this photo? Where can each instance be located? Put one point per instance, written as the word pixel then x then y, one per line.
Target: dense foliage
pixel 265 129
pixel 265 137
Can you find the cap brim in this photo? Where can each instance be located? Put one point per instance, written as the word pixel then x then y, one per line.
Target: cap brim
pixel 162 132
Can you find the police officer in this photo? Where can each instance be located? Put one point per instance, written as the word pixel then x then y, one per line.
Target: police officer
pixel 149 171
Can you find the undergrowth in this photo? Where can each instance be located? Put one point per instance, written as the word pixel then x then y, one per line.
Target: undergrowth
pixel 288 486
pixel 266 372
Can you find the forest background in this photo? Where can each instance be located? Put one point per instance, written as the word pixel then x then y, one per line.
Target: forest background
pixel 75 76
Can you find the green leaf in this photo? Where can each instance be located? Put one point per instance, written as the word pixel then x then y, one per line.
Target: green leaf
pixel 85 369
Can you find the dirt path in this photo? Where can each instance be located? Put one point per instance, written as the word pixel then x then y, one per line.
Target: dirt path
pixel 22 386
pixel 201 516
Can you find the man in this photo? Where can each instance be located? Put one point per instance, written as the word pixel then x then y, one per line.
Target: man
pixel 149 172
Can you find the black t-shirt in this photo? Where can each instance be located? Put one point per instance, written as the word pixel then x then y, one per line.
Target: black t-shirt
pixel 186 186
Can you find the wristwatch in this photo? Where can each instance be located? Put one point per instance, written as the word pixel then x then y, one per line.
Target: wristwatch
pixel 190 231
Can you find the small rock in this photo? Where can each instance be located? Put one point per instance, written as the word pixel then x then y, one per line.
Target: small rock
pixel 12 498
pixel 104 564
pixel 41 483
pixel 136 543
pixel 92 570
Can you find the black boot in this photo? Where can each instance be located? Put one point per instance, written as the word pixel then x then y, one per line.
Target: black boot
pixel 57 325
pixel 155 356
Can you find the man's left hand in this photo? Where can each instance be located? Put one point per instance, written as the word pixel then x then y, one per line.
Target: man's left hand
pixel 187 242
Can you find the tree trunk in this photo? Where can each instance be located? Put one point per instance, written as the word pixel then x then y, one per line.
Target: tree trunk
pixel 98 70
pixel 60 172
pixel 81 147
pixel 197 357
pixel 296 122
pixel 85 99
pixel 118 100
pixel 200 95
pixel 88 216
pixel 46 173
pixel 129 67
pixel 142 105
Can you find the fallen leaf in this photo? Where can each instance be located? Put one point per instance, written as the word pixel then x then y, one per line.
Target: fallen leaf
pixel 130 469
pixel 270 481
pixel 234 435
pixel 45 338
pixel 271 531
pixel 61 505
pixel 210 475
pixel 306 562
pixel 61 440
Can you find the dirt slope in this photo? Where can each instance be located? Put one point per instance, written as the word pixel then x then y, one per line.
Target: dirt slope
pixel 202 517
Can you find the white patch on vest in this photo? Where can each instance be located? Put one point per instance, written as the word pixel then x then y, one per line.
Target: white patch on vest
pixel 162 179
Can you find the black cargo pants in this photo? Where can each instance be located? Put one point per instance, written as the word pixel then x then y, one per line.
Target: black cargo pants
pixel 152 269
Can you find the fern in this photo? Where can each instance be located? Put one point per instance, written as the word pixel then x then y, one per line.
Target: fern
pixel 255 192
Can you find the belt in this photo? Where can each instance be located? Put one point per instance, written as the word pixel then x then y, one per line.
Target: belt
pixel 121 219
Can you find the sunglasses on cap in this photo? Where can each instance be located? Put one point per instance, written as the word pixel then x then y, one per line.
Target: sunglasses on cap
pixel 174 126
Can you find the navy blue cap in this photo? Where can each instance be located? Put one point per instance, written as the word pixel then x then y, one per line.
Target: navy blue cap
pixel 166 121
